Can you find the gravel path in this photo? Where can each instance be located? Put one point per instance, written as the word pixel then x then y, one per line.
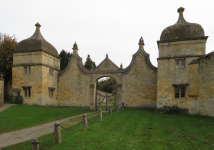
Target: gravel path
pixel 5 106
pixel 22 135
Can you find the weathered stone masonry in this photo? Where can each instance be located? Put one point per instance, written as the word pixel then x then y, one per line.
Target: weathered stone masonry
pixel 184 77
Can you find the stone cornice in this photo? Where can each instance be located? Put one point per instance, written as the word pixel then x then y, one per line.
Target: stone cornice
pixel 181 56
pixel 40 50
pixel 34 64
pixel 186 39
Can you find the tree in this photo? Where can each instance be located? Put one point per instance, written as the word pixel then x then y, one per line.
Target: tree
pixel 89 62
pixel 7 45
pixel 64 59
pixel 109 85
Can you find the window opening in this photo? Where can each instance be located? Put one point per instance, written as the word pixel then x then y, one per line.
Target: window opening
pixel 25 89
pixel 182 63
pixel 182 92
pixel 176 92
pixel 25 68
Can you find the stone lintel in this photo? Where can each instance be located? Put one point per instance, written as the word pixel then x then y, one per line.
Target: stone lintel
pixel 51 88
pixel 180 84
pixel 34 64
pixel 26 86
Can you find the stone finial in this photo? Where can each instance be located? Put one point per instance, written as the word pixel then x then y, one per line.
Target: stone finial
pixel 181 10
pixel 75 46
pixel 141 41
pixel 37 25
pixel 181 19
pixel 106 55
pixel 92 66
pixel 121 66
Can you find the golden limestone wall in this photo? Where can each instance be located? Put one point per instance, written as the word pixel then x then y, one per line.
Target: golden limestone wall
pixel 19 79
pixel 73 87
pixel 206 95
pixel 139 85
pixel 169 74
pixel 39 79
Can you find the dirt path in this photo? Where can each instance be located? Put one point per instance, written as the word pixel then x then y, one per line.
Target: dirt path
pixel 5 106
pixel 18 136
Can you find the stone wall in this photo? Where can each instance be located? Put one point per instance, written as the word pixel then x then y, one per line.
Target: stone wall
pixel 74 86
pixel 206 94
pixel 169 74
pixel 39 79
pixel 139 85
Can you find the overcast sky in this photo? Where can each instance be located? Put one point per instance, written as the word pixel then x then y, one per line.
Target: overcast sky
pixel 100 27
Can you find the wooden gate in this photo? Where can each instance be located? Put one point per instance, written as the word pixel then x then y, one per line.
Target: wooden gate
pixel 105 101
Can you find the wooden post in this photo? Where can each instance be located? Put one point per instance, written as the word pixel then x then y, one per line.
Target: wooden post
pixel 110 111
pixel 96 100
pixel 106 101
pixel 100 115
pixel 57 133
pixel 84 125
pixel 35 144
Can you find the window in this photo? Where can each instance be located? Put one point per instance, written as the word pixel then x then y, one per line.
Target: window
pixel 182 92
pixel 182 63
pixel 50 72
pixel 51 93
pixel 179 92
pixel 176 92
pixel 25 89
pixel 25 68
pixel 29 70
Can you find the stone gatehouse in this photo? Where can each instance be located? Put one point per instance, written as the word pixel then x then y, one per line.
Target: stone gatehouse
pixel 184 76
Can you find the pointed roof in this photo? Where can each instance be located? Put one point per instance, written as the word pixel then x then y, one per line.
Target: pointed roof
pixel 36 43
pixel 182 29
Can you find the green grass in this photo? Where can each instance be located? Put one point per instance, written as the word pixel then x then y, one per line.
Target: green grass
pixel 104 107
pixel 23 116
pixel 136 130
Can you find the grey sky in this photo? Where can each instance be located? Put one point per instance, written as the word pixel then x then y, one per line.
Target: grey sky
pixel 100 27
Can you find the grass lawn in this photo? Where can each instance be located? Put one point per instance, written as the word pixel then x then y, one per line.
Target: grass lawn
pixel 104 107
pixel 136 129
pixel 23 116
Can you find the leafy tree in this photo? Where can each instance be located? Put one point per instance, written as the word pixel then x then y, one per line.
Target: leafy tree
pixel 89 62
pixel 7 45
pixel 109 85
pixel 64 59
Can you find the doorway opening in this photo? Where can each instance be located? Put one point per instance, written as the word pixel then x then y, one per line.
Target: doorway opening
pixel 106 91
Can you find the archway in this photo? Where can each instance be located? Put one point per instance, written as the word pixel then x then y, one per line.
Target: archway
pixel 106 93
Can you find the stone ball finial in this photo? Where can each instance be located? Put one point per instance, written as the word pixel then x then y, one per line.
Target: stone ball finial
pixel 181 10
pixel 75 46
pixel 37 25
pixel 141 41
